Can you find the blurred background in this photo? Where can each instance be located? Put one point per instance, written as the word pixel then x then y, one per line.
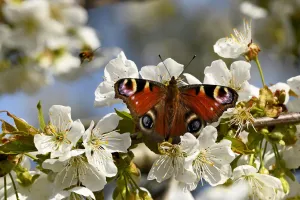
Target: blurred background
pixel 41 40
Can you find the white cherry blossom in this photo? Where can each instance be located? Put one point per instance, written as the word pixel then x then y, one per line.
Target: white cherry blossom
pixel 160 73
pixel 75 169
pixel 237 77
pixel 116 69
pixel 100 141
pixel 74 193
pixel 236 45
pixel 253 10
pixel 261 186
pixel 62 133
pixel 172 161
pixel 294 83
pixel 211 161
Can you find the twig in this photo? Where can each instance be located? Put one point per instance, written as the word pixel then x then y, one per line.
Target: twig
pixel 282 119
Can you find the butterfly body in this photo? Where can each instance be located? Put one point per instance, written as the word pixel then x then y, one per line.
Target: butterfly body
pixel 166 110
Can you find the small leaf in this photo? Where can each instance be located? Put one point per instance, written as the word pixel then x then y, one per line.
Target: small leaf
pixel 6 164
pixel 6 127
pixel 124 114
pixel 18 144
pixel 238 146
pixel 41 116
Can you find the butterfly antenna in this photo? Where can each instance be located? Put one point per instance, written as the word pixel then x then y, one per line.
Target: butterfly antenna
pixel 165 65
pixel 96 49
pixel 188 64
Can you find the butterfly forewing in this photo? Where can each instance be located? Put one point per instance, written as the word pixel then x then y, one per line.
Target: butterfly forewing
pixel 208 101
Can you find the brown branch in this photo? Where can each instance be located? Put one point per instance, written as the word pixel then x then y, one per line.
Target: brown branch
pixel 282 119
pixel 98 3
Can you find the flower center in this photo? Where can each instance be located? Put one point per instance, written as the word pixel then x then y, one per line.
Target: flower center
pixel 242 116
pixel 201 162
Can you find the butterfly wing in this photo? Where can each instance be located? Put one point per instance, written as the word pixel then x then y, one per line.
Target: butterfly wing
pixel 208 101
pixel 139 95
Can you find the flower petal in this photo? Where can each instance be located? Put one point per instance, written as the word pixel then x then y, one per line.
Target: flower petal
pixel 191 79
pixel 229 48
pixel 217 173
pixel 151 72
pixel 189 144
pixel 207 137
pixel 108 123
pixel 105 94
pixel 77 130
pixel 116 142
pixel 83 191
pixel 294 83
pixel 60 117
pixel 87 134
pixel 44 143
pixel 53 164
pixel 240 72
pixel 222 152
pixel 174 68
pixel 243 170
pixel 217 74
pixel 93 179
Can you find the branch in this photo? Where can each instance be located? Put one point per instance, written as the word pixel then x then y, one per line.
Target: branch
pixel 282 119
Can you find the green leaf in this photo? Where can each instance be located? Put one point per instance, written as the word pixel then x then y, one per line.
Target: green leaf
pixel 19 144
pixel 124 114
pixel 238 146
pixel 41 116
pixel 235 161
pixel 6 164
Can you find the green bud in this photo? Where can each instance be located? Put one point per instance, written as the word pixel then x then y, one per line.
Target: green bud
pixel 264 170
pixel 285 185
pixel 264 131
pixel 275 136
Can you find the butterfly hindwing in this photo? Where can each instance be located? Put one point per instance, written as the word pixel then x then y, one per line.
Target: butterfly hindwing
pixel 208 101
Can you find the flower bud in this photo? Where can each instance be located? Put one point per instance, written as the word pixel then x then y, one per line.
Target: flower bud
pixel 252 53
pixel 264 170
pixel 285 185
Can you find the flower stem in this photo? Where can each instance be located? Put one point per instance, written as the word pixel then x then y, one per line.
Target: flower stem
pixel 251 159
pixel 30 156
pixel 14 185
pixel 260 71
pixel 5 189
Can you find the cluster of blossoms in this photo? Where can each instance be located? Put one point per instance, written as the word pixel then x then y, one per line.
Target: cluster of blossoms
pixel 40 38
pixel 235 151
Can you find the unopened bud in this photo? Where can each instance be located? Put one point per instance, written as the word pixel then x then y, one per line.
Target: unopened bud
pixel 252 53
pixel 285 185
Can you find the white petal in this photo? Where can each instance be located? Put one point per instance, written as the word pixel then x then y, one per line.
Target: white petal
pixel 60 117
pixel 83 191
pixel 207 137
pixel 229 48
pixel 53 164
pixel 62 150
pixel 294 83
pixel 191 79
pixel 247 91
pixel 119 68
pixel 217 74
pixel 66 178
pixel 69 154
pixel 87 134
pixel 281 86
pixel 105 94
pixel 243 170
pixel 240 72
pixel 108 123
pixel 217 174
pixel 151 72
pixel 222 152
pixel 93 179
pixel 77 130
pixel 116 142
pixel 186 176
pixel 103 161
pixel 65 63
pixel 293 106
pixel 253 10
pixel 272 187
pixel 162 169
pixel 189 144
pixel 89 37
pixel 44 143
pixel 174 68
pixel 60 195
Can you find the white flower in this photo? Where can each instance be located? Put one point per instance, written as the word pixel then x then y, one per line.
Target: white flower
pixel 100 141
pixel 294 83
pixel 236 45
pixel 159 73
pixel 211 161
pixel 75 169
pixel 74 193
pixel 116 69
pixel 261 186
pixel 252 10
pixel 172 161
pixel 237 77
pixel 63 133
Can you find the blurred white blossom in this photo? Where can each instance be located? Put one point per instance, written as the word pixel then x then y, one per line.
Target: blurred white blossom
pixel 252 10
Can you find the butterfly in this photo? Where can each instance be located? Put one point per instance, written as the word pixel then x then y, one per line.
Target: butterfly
pixel 87 55
pixel 168 111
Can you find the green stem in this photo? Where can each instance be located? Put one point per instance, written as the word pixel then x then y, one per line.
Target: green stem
pixel 5 189
pixel 251 159
pixel 136 186
pixel 260 71
pixel 30 156
pixel 14 185
pixel 261 155
pixel 265 149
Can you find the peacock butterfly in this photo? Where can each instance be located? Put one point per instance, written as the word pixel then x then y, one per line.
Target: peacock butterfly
pixel 168 110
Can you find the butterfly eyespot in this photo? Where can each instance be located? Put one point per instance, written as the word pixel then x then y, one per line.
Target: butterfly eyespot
pixel 194 125
pixel 147 122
